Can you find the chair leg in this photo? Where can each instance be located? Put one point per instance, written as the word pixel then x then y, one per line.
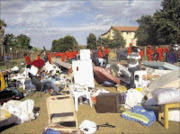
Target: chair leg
pixel 160 113
pixel 76 103
pixel 166 116
pixel 90 101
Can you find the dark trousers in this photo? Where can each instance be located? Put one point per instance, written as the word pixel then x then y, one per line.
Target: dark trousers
pixel 132 70
pixel 106 57
pixel 118 57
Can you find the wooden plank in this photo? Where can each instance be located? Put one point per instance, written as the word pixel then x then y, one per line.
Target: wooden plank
pixel 61 63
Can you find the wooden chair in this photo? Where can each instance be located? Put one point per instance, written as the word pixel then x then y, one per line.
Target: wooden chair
pixel 166 112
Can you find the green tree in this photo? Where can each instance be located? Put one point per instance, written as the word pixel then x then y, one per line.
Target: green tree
pixel 167 21
pixel 64 44
pixel 10 41
pixel 23 41
pixel 118 40
pixel 146 33
pixel 36 49
pixel 53 48
pixel 70 42
pixel 2 25
pixel 91 41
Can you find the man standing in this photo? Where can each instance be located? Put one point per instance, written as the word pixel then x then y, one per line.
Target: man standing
pixel 100 52
pixel 160 52
pixel 28 60
pixel 141 53
pixel 106 53
pixel 129 48
pixel 149 52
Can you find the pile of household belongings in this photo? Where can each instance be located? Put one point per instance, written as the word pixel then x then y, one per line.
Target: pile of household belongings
pixel 143 105
pixel 17 112
pixel 143 101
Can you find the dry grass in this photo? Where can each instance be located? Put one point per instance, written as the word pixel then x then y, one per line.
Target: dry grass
pixel 87 113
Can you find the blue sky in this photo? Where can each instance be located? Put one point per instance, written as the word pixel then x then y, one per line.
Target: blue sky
pixel 43 20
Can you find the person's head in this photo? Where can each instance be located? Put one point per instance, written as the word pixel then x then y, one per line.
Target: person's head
pixel 130 44
pixel 25 54
pixel 107 45
pixel 149 46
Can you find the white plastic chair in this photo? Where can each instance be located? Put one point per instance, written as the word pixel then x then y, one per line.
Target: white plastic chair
pixel 79 91
pixel 140 82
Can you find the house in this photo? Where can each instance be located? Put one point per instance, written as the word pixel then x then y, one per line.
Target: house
pixel 128 34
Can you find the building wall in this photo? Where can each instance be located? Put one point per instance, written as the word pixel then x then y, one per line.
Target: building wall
pixel 128 36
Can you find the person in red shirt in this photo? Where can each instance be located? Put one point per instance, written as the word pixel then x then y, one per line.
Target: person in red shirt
pixel 141 53
pixel 106 53
pixel 63 57
pixel 38 57
pixel 100 52
pixel 49 58
pixel 160 52
pixel 129 48
pixel 28 61
pixel 149 52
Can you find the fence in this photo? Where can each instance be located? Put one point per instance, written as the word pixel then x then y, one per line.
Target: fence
pixel 17 55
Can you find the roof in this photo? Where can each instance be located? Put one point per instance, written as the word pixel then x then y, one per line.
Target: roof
pixel 126 29
pixel 123 29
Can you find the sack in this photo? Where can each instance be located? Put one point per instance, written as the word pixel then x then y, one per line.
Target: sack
pixel 166 95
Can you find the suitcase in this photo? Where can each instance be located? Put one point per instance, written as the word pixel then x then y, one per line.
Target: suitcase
pixel 109 102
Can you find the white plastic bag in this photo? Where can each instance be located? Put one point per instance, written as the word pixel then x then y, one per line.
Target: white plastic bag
pixel 88 127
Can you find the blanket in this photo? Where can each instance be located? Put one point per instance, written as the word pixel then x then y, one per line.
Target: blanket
pixel 139 114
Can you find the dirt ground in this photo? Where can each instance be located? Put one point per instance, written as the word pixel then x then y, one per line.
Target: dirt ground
pixel 87 113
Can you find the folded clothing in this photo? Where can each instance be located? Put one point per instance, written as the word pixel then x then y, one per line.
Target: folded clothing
pixel 139 114
pixel 166 95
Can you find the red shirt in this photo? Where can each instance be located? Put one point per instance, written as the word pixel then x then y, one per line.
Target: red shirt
pixel 49 58
pixel 149 51
pixel 141 53
pixel 129 50
pixel 100 53
pixel 159 50
pixel 28 60
pixel 62 57
pixel 106 51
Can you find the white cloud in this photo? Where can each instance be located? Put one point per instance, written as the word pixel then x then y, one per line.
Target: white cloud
pixel 38 19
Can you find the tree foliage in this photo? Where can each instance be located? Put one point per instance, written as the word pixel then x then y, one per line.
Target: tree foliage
pixel 167 21
pixel 23 41
pixel 64 44
pixel 161 28
pixel 146 33
pixel 2 24
pixel 91 41
pixel 19 42
pixel 118 40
